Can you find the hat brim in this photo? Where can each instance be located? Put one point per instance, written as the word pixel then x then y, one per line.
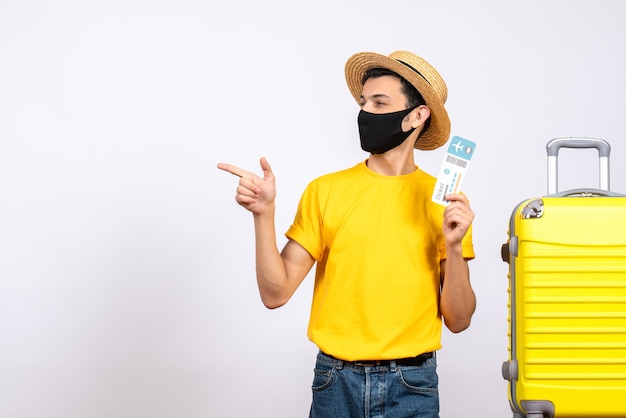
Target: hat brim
pixel 438 132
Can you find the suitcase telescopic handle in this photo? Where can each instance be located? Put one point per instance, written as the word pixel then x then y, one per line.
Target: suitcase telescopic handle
pixel 553 147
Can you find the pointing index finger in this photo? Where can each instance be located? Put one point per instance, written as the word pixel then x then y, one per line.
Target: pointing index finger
pixel 232 169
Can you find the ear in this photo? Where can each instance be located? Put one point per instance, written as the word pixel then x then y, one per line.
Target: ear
pixel 419 115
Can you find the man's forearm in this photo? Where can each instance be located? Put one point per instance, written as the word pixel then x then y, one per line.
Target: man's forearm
pixel 270 270
pixel 458 301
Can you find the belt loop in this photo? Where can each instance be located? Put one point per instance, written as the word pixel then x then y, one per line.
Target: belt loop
pixel 392 366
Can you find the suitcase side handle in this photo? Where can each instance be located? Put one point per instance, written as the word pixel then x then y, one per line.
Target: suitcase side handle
pixel 553 147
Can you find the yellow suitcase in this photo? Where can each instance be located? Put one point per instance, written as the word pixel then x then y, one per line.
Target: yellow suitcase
pixel 567 298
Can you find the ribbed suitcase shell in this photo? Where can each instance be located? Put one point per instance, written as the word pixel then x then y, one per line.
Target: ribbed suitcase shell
pixel 567 307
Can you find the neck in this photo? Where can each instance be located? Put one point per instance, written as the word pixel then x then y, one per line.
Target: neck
pixel 395 162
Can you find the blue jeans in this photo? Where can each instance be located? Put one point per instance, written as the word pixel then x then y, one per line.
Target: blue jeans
pixel 345 390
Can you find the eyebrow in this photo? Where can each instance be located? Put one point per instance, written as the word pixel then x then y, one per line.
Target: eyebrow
pixel 376 96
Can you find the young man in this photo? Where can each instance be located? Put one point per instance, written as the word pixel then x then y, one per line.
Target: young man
pixel 390 263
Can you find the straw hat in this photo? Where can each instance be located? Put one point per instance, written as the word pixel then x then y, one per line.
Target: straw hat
pixel 421 75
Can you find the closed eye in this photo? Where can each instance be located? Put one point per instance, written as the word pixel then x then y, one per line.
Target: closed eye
pixel 378 101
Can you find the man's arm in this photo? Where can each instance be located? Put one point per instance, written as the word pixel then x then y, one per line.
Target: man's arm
pixel 278 274
pixel 457 300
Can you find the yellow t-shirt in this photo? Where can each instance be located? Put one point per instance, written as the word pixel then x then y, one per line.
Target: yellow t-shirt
pixel 378 242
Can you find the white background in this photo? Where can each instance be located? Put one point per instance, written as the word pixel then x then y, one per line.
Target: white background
pixel 127 283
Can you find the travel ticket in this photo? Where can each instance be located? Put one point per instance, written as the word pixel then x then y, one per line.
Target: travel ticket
pixel 453 169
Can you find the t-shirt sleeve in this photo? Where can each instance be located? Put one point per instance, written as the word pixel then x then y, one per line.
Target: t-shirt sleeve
pixel 468 245
pixel 306 228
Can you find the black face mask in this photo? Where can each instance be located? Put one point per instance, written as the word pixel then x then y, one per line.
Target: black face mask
pixel 381 132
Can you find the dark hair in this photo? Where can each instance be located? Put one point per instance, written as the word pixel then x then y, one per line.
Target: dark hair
pixel 414 98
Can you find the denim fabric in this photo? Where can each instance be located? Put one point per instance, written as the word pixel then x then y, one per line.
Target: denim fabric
pixel 343 390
